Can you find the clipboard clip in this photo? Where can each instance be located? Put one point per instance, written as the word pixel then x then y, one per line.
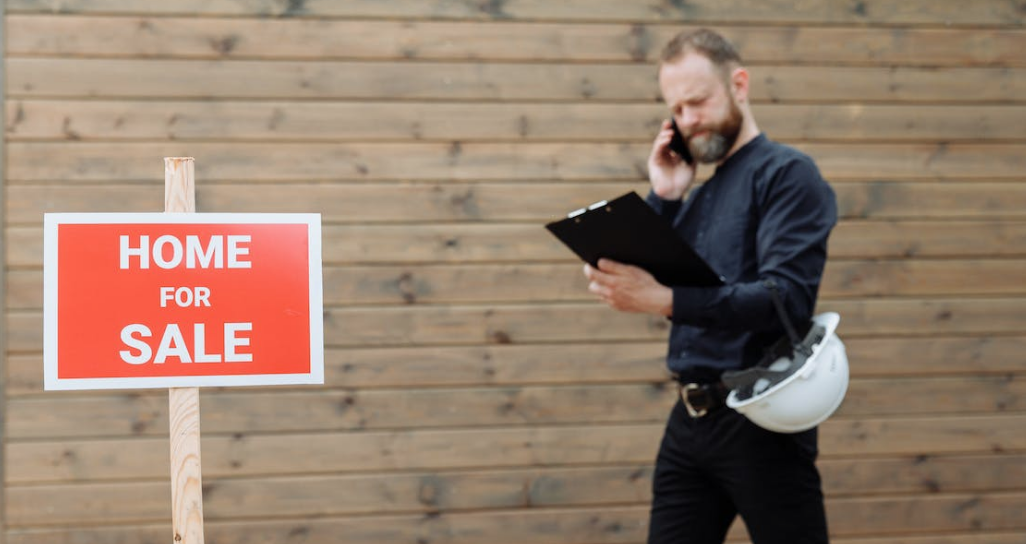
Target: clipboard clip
pixel 593 207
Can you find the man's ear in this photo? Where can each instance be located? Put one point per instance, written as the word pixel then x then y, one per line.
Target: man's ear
pixel 739 84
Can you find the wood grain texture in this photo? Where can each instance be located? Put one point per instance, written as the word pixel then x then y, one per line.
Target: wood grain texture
pixel 474 391
pixel 292 38
pixel 621 525
pixel 571 363
pixel 477 161
pixel 183 402
pixel 932 12
pixel 179 185
pixel 186 465
pixel 29 77
pixel 392 326
pixel 492 243
pixel 955 512
pixel 367 121
pixel 441 492
pixel 419 284
pixel 114 416
pixel 536 203
pixel 259 454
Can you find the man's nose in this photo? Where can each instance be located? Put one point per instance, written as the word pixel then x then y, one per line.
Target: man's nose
pixel 688 120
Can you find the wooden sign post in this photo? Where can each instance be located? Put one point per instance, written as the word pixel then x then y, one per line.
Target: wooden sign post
pixel 183 402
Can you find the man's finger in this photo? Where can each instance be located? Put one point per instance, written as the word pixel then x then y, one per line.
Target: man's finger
pixel 595 274
pixel 611 266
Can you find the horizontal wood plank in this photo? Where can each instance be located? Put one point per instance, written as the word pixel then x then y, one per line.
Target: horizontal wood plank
pixel 499 325
pixel 939 513
pixel 565 282
pixel 293 80
pixel 146 415
pixel 594 525
pixel 538 202
pixel 839 162
pixel 565 364
pixel 910 239
pixel 331 121
pixel 337 495
pixel 179 37
pixel 605 525
pixel 617 524
pixel 583 322
pixel 584 363
pixel 595 322
pixel 134 120
pixel 521 243
pixel 933 12
pixel 930 396
pixel 896 200
pixel 988 512
pixel 45 77
pixel 137 502
pixel 923 474
pixel 347 202
pixel 629 362
pixel 935 356
pixel 887 317
pixel 153 533
pixel 92 162
pixel 488 243
pixel 319 161
pixel 241 454
pixel 913 277
pixel 642 362
pixel 918 436
pixel 972 537
pixel 356 410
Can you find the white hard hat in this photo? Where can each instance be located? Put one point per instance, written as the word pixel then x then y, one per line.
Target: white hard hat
pixel 797 388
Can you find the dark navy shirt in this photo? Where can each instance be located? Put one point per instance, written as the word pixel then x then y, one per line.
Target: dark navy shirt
pixel 764 215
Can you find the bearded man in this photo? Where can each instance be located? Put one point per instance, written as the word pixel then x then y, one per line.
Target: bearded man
pixel 761 221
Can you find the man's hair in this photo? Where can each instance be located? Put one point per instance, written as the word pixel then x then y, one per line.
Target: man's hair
pixel 705 42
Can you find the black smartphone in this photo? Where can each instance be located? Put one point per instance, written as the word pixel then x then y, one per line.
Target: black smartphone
pixel 678 145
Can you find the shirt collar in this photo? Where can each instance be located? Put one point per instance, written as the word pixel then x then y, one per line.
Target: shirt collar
pixel 742 152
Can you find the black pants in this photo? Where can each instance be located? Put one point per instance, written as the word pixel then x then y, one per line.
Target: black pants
pixel 711 469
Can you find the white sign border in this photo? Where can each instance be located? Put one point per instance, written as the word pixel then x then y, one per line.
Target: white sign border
pixel 51 381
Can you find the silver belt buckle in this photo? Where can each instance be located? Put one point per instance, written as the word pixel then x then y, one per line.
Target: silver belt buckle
pixel 687 403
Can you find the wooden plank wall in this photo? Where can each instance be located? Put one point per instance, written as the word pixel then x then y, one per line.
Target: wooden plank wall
pixel 474 392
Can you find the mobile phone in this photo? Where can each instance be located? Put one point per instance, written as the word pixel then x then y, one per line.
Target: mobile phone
pixel 678 145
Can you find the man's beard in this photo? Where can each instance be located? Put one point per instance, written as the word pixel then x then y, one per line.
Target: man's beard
pixel 718 139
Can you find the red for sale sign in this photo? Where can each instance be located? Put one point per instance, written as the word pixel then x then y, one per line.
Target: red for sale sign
pixel 182 300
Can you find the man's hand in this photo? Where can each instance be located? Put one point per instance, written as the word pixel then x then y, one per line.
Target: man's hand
pixel 669 175
pixel 629 288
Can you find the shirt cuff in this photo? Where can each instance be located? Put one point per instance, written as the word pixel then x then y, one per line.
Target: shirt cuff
pixel 665 208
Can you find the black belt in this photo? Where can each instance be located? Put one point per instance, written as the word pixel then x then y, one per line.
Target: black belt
pixel 702 399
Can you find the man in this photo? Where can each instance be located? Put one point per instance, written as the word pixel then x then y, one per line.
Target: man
pixel 762 222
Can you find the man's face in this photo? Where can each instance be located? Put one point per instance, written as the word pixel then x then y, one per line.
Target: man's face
pixel 703 105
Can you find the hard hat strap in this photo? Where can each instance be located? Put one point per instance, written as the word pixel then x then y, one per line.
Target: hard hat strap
pixel 778 303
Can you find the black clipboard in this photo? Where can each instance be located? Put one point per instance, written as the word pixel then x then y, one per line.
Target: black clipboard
pixel 628 230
